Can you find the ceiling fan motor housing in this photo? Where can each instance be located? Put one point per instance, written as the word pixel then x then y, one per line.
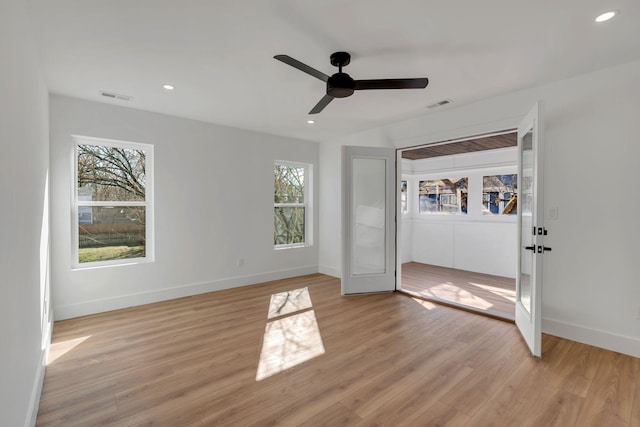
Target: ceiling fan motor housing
pixel 340 85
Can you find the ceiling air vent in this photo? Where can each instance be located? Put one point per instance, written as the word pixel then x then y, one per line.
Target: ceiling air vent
pixel 440 104
pixel 116 96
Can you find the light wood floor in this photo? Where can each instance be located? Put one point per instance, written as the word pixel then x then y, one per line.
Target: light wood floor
pixel 492 295
pixel 385 359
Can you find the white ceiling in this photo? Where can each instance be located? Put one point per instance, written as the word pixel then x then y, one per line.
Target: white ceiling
pixel 219 54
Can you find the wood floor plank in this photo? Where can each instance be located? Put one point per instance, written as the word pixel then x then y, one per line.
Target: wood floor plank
pixel 609 400
pixel 333 415
pixel 440 415
pixel 557 408
pixel 486 379
pixel 387 360
pixel 577 369
pixel 635 411
pixel 415 404
pixel 515 396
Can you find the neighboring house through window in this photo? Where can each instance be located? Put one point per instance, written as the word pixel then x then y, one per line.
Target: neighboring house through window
pixel 112 202
pixel 443 196
pixel 500 194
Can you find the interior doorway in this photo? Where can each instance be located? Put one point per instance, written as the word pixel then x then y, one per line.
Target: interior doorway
pixel 457 237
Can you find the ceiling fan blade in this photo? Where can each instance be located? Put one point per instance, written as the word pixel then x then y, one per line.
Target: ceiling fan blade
pixel 302 67
pixel 392 84
pixel 320 105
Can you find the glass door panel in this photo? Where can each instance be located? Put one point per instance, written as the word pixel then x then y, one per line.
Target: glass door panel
pixel 368 252
pixel 527 247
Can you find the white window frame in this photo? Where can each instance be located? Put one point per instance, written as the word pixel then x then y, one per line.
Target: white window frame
pixel 147 203
pixel 308 218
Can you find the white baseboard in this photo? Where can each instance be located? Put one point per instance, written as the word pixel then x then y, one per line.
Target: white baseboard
pixel 36 390
pixel 114 303
pixel 607 340
pixel 329 271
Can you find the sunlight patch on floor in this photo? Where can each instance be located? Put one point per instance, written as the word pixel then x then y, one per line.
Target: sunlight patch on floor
pixel 288 342
pixel 59 349
pixel 449 292
pixel 292 335
pixel 504 293
pixel 289 302
pixel 425 304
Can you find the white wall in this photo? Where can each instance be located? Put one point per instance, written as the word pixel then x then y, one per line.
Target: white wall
pixel 24 223
pixel 213 205
pixel 473 241
pixel 590 291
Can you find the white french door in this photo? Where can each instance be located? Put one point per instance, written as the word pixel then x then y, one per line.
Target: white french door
pixel 531 230
pixel 368 220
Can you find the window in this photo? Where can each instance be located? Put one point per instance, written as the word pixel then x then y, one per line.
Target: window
pixel 403 197
pixel 500 194
pixel 112 206
pixel 444 196
pixel 291 204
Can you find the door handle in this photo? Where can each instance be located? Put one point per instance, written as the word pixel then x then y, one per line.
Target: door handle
pixel 542 249
pixel 530 248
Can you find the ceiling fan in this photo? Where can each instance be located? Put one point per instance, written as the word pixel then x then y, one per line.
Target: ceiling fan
pixel 341 85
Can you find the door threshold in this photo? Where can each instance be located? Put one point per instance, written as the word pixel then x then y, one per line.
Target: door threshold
pixel 450 304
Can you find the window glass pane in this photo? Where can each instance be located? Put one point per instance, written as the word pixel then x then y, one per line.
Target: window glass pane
pixel 447 196
pixel 369 220
pixel 289 225
pixel 403 197
pixel 500 194
pixel 110 173
pixel 288 184
pixel 111 232
pixel 526 209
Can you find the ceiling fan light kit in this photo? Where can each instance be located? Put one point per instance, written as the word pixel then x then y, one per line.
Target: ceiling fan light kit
pixel 341 85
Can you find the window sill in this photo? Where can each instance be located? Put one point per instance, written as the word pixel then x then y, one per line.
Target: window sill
pixel 113 263
pixel 293 246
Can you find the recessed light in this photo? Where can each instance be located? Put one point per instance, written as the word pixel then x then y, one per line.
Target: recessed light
pixel 168 87
pixel 311 121
pixel 606 16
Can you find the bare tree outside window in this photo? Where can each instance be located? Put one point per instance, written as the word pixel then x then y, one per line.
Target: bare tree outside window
pixel 111 201
pixel 289 205
pixel 111 173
